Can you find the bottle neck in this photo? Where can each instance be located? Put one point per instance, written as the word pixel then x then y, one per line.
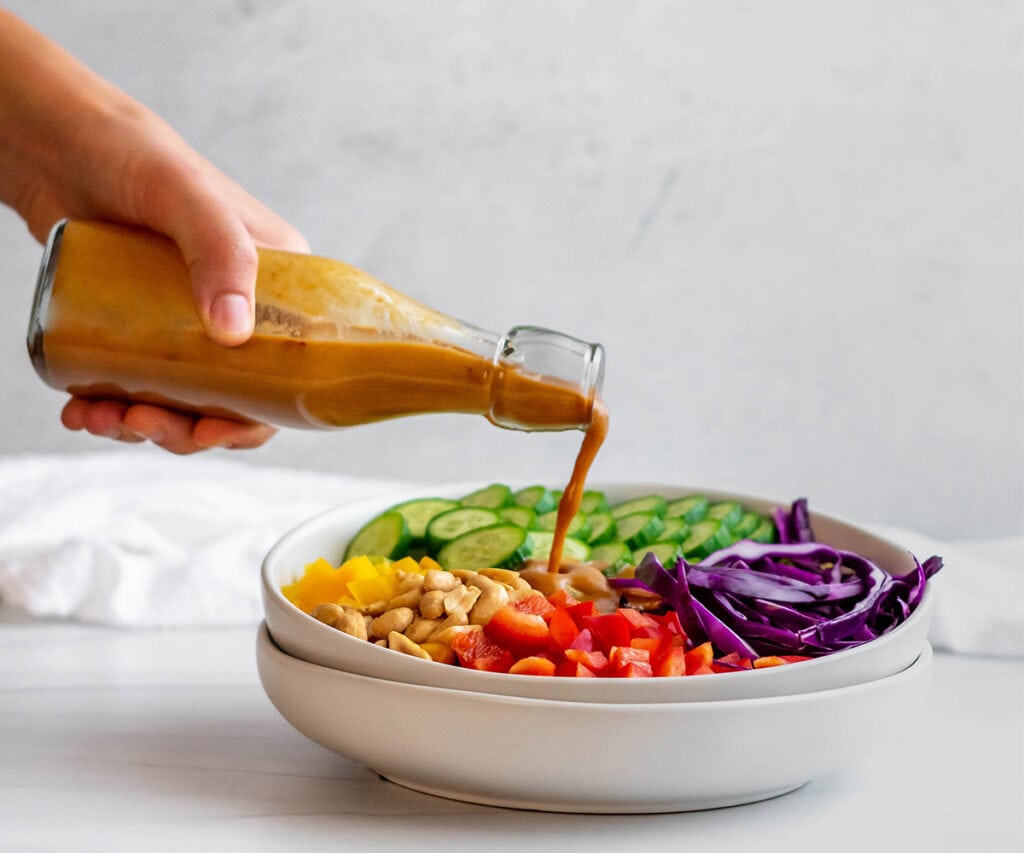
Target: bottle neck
pixel 544 380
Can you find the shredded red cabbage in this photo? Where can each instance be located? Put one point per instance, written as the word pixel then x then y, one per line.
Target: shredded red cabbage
pixel 794 597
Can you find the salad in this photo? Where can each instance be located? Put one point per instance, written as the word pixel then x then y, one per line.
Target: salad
pixel 652 586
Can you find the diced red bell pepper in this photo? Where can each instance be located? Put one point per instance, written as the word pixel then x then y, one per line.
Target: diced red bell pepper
pixel 630 663
pixel 533 665
pixel 537 605
pixel 518 629
pixel 610 629
pixel 670 621
pixel 475 650
pixel 670 662
pixel 585 641
pixel 572 669
pixel 777 660
pixel 731 662
pixel 563 629
pixel 698 659
pixel 561 598
pixel 595 661
pixel 653 645
pixel 580 611
pixel 637 619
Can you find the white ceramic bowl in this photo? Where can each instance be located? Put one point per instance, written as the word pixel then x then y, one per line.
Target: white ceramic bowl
pixel 588 757
pixel 327 535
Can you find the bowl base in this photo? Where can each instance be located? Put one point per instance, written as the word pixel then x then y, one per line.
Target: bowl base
pixel 689 804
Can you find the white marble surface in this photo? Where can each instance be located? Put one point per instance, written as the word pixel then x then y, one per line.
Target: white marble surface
pixel 163 740
pixel 796 226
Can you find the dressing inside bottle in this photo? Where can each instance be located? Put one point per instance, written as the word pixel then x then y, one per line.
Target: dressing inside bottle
pixel 333 347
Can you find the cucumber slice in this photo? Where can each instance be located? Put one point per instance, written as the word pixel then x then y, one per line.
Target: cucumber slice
pixel 705 538
pixel 650 503
pixel 386 535
pixel 448 525
pixel 524 516
pixel 573 551
pixel 593 501
pixel 615 554
pixel 691 508
pixel 419 511
pixel 602 528
pixel 746 525
pixel 493 496
pixel 539 498
pixel 727 512
pixel 676 529
pixel 666 552
pixel 639 528
pixel 501 546
pixel 765 532
pixel 579 527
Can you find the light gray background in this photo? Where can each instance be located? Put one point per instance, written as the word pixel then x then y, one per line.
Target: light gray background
pixel 795 226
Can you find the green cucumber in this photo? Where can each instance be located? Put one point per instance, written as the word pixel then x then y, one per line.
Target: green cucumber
pixel 676 529
pixel 579 526
pixel 386 535
pixel 453 523
pixel 593 501
pixel 602 528
pixel 539 498
pixel 690 508
pixel 524 516
pixel 727 512
pixel 418 512
pixel 615 554
pixel 705 538
pixel 746 525
pixel 649 503
pixel 666 552
pixel 765 532
pixel 493 496
pixel 501 546
pixel 573 551
pixel 639 528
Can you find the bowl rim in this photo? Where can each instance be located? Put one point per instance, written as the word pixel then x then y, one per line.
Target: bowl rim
pixel 271 588
pixel 266 646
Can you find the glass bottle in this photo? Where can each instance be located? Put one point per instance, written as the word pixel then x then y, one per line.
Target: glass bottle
pixel 113 318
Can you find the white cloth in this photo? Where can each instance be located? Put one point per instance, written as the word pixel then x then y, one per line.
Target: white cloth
pixel 139 538
pixel 142 538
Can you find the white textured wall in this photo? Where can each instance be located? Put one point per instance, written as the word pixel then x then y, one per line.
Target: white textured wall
pixel 796 226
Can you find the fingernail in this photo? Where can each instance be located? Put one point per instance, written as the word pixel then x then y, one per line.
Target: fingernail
pixel 230 313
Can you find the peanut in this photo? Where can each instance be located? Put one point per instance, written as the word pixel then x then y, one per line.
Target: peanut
pixel 392 620
pixel 420 630
pixel 432 604
pixel 351 622
pixel 457 619
pixel 409 598
pixel 327 613
pixel 442 580
pixel 493 596
pixel 401 643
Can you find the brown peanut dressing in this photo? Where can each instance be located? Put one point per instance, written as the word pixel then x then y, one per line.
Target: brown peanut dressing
pixel 572 497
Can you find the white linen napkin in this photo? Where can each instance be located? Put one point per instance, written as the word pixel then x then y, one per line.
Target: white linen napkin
pixel 142 538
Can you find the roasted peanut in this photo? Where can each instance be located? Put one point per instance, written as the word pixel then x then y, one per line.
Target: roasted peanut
pixel 448 633
pixel 376 608
pixel 409 598
pixel 421 629
pixel 442 580
pixel 392 620
pixel 493 596
pixel 351 622
pixel 432 604
pixel 327 613
pixel 409 580
pixel 505 576
pixel 461 599
pixel 456 619
pixel 401 643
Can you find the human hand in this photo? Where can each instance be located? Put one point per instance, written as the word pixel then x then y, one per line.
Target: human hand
pixel 73 145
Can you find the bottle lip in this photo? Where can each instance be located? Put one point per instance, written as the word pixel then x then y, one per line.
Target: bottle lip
pixel 41 299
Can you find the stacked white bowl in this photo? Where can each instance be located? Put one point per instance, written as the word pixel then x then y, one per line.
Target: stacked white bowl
pixel 585 745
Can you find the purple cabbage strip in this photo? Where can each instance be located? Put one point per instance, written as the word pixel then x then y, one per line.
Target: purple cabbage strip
pixel 794 597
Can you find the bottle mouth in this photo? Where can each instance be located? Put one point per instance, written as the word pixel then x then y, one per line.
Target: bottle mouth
pixel 41 299
pixel 545 380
